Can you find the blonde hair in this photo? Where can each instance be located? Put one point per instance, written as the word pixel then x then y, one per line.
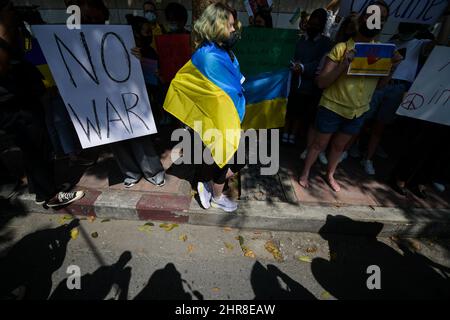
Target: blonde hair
pixel 213 24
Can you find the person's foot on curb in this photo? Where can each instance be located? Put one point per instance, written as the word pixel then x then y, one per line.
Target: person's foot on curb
pixel 303 181
pixel 333 184
pixel 224 203
pixel 64 198
pixel 205 194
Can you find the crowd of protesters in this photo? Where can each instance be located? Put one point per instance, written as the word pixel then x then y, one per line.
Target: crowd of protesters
pixel 332 111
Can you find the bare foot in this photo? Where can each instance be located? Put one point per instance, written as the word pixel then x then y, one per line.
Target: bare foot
pixel 333 184
pixel 303 181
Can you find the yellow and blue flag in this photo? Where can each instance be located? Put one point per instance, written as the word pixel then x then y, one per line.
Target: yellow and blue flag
pixel 35 56
pixel 266 95
pixel 372 59
pixel 207 95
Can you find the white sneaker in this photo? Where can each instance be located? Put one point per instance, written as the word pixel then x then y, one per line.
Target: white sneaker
pixel 323 158
pixel 224 203
pixel 343 156
pixel 205 194
pixel 304 154
pixel 368 167
pixel 439 186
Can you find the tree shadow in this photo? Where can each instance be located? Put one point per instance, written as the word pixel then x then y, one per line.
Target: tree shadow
pixel 97 285
pixel 266 285
pixel 26 269
pixel 166 284
pixel 405 275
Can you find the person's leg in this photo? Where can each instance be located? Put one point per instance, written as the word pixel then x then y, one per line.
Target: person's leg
pixel 338 144
pixel 126 161
pixel 148 159
pixel 374 140
pixel 320 143
pixel 327 122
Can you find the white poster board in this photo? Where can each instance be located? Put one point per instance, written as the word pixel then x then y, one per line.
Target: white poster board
pixel 413 11
pixel 100 81
pixel 429 97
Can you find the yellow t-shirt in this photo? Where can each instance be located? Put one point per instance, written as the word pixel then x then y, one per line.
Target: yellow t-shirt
pixel 348 96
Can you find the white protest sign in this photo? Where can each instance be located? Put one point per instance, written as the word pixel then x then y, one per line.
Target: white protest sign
pixel 429 97
pixel 413 11
pixel 100 81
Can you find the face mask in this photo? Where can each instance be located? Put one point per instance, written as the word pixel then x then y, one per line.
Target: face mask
pixel 368 33
pixel 231 41
pixel 150 16
pixel 172 26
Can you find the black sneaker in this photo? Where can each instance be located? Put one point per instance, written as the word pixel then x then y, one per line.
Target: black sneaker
pixel 64 198
pixel 39 201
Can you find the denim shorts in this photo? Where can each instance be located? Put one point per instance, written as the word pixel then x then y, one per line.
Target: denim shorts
pixel 328 121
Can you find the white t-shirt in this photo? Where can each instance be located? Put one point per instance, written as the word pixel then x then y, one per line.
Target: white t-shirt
pixel 407 69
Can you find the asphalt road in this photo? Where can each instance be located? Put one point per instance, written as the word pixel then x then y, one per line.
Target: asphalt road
pixel 131 260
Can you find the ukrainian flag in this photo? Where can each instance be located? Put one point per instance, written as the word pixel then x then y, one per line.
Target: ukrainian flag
pixel 36 57
pixel 372 59
pixel 207 95
pixel 266 95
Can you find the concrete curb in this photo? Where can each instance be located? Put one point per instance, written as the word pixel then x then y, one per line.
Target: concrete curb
pixel 275 216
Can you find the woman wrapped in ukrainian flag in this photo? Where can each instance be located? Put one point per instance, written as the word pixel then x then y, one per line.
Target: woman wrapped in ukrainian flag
pixel 207 96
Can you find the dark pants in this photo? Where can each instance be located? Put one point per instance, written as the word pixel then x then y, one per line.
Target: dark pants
pixel 31 136
pixel 137 157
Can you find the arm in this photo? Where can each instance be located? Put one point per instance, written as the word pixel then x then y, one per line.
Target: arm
pixel 333 70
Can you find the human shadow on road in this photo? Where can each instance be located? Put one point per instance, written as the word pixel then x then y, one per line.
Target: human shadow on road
pixel 98 285
pixel 26 269
pixel 266 286
pixel 166 284
pixel 406 275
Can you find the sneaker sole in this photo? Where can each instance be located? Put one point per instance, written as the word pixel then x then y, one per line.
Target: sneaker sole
pixel 65 204
pixel 203 201
pixel 217 206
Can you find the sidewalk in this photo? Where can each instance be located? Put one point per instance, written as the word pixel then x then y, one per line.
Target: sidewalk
pixel 266 202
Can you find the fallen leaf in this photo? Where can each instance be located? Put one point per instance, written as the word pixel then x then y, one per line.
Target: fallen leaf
pixel 94 235
pixel 105 220
pixel 249 253
pixel 149 224
pixel 147 228
pixel 311 249
pixel 229 246
pixel 216 289
pixel 190 248
pixel 305 259
pixel 91 218
pixel 325 295
pixel 168 226
pixel 64 219
pixel 183 237
pixel 74 233
pixel 241 240
pixel 372 207
pixel 274 250
pixel 415 245
pixel 227 229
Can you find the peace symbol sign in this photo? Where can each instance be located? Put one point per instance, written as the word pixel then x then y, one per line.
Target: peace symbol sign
pixel 413 101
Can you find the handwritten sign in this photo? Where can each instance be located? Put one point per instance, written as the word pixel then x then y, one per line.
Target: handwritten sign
pixel 174 52
pixel 372 59
pixel 99 80
pixel 413 11
pixel 429 97
pixel 264 50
